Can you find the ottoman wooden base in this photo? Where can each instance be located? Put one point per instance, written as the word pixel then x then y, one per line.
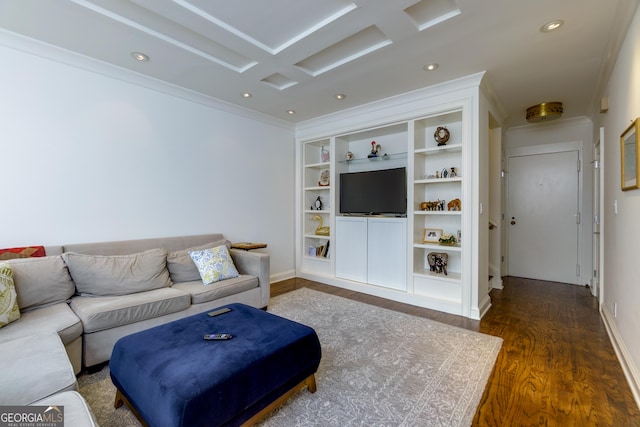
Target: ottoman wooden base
pixel 169 375
pixel 309 383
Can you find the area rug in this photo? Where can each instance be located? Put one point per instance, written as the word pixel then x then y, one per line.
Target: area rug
pixel 379 368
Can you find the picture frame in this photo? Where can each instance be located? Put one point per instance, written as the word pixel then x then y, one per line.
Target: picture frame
pixel 432 235
pixel 630 156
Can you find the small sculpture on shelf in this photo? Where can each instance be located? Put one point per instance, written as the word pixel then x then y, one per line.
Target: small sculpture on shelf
pixel 317 205
pixel 441 135
pixel 324 155
pixel 454 205
pixel 324 178
pixel 349 156
pixel 438 262
pixel 437 205
pixel 375 148
pixel 320 230
pixel 447 239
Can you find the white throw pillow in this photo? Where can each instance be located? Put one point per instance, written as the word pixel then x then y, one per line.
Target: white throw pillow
pixel 214 264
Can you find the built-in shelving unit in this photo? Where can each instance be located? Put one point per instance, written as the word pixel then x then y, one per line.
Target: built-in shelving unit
pixel 438 177
pixel 317 204
pixel 388 257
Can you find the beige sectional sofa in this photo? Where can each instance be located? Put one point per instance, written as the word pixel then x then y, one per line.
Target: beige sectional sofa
pixel 91 294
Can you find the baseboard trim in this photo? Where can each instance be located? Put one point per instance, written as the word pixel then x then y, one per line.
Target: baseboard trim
pixel 496 283
pixel 628 367
pixel 285 275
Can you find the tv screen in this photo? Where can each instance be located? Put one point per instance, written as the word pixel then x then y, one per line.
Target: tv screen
pixel 379 192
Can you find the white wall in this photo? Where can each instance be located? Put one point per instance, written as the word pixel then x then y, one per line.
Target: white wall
pixel 621 231
pixel 566 131
pixel 86 157
pixel 495 207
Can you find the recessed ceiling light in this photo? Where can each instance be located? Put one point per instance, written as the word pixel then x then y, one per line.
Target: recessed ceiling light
pixel 291 112
pixel 246 95
pixel 139 56
pixel 339 96
pixel 550 26
pixel 430 67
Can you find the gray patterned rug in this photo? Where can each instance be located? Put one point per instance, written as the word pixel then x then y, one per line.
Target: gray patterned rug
pixel 379 368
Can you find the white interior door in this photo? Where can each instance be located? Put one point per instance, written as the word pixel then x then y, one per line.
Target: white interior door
pixel 543 216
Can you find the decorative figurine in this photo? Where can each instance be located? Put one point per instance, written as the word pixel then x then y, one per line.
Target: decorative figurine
pixel 453 172
pixel 324 178
pixel 324 155
pixel 438 262
pixel 374 149
pixel 349 155
pixel 317 205
pixel 454 205
pixel 320 230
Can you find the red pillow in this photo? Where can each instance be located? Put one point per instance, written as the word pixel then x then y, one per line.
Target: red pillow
pixel 26 252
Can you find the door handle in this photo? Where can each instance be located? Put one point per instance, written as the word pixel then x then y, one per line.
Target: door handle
pixel 513 220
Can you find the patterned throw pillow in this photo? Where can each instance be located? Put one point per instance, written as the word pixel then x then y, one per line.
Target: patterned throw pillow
pixel 214 264
pixel 26 252
pixel 9 310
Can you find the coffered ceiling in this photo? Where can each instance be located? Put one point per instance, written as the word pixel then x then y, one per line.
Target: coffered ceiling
pixel 298 54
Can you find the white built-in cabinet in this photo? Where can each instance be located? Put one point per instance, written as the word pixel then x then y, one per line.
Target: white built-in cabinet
pixel 317 206
pixel 430 165
pixel 388 257
pixel 372 250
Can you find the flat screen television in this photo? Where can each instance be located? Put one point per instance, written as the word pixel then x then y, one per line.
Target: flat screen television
pixel 377 192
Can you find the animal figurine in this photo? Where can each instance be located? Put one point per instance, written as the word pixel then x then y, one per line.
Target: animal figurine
pixel 320 230
pixel 317 205
pixel 454 205
pixel 438 262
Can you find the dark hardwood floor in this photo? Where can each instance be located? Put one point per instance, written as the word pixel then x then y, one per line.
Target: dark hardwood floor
pixel 556 367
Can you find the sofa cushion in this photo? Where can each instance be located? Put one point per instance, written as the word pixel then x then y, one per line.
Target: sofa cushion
pixel 103 275
pixel 214 264
pixel 200 293
pixel 58 318
pixel 76 410
pixel 100 313
pixel 9 310
pixel 182 268
pixel 41 281
pixel 34 367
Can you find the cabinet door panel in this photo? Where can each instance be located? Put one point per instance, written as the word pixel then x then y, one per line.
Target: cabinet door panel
pixel 351 248
pixel 387 256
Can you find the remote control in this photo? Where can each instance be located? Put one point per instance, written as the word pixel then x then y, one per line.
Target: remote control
pixel 216 337
pixel 219 312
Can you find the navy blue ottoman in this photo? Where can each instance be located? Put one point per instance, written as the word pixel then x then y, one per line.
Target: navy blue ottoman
pixel 170 376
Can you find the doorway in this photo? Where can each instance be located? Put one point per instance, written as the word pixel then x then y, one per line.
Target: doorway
pixel 543 213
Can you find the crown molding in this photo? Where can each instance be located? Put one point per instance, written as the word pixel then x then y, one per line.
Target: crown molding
pixel 396 108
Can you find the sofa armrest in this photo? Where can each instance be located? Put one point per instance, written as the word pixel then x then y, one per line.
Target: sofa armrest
pixel 256 264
